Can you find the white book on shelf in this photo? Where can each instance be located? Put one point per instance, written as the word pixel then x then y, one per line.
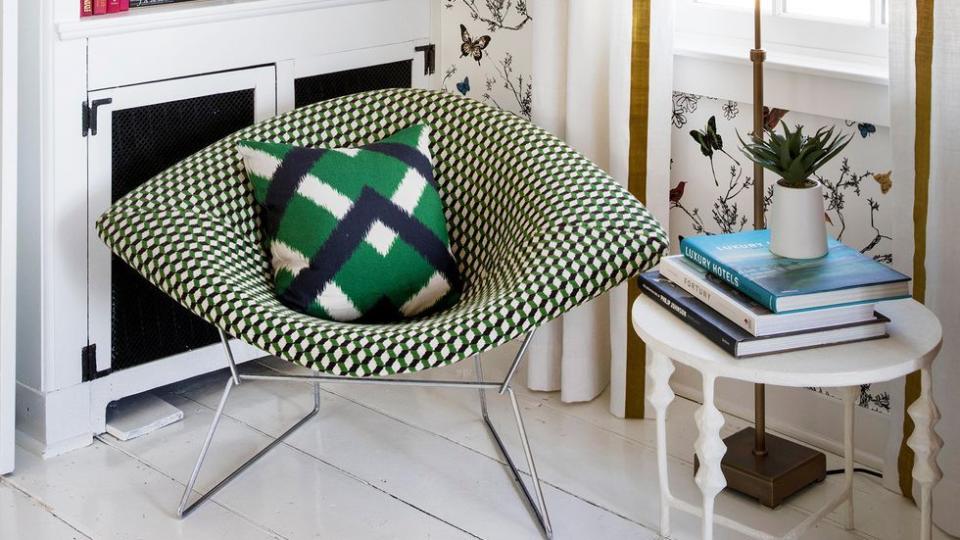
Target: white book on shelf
pixel 749 315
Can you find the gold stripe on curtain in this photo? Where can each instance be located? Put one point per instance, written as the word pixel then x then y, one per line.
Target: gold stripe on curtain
pixel 637 183
pixel 924 61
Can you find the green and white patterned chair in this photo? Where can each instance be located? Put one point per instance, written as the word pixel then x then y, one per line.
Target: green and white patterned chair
pixel 536 229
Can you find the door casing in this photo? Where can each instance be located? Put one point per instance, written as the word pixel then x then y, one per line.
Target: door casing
pixel 8 230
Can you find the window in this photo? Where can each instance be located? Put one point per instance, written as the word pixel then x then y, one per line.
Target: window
pixel 819 27
pixel 851 11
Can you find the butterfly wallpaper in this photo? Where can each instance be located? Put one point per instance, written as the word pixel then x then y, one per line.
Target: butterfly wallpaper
pixel 712 183
pixel 485 52
pixel 486 55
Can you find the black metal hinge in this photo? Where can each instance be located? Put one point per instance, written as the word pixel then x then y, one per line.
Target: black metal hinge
pixel 429 58
pixel 89 119
pixel 88 358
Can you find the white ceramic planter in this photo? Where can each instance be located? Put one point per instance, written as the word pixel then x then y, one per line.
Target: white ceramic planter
pixel 797 226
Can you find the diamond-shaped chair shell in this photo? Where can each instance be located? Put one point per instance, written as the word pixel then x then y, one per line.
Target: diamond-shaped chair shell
pixel 536 229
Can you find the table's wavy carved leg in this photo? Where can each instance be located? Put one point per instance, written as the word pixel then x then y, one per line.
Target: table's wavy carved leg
pixel 926 445
pixel 661 395
pixel 710 450
pixel 850 395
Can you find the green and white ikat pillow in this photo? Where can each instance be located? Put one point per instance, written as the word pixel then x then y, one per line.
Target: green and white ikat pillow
pixel 355 234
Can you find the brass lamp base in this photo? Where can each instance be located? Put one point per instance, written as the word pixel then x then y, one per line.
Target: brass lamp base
pixel 786 469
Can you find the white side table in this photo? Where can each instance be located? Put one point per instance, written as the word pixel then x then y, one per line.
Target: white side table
pixel 915 339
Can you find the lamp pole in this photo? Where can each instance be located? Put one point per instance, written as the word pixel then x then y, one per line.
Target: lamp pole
pixel 758 56
pixel 757 463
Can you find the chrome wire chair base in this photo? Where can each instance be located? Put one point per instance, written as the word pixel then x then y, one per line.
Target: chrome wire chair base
pixel 535 501
pixel 184 510
pixel 538 506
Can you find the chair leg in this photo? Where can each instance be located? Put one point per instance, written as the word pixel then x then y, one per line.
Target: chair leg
pixel 538 505
pixel 184 510
pixel 483 392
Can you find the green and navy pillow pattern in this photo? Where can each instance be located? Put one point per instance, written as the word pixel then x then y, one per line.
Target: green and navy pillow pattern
pixel 355 234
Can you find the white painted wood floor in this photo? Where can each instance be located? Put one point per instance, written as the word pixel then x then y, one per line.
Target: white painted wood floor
pixel 387 462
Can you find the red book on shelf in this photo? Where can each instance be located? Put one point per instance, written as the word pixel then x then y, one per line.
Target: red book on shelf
pixel 99 7
pixel 86 8
pixel 113 6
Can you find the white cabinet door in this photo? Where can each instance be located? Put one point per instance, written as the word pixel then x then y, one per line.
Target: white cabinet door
pixel 309 66
pixel 115 105
pixel 8 228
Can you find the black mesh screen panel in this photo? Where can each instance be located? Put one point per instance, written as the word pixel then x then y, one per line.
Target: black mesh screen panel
pixel 317 88
pixel 147 324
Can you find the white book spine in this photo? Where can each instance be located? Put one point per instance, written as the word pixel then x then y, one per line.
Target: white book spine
pixel 707 293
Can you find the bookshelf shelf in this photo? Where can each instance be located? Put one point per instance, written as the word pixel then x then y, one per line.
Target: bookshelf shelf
pixel 187 13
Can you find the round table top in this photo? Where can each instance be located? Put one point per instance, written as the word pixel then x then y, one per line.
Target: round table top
pixel 915 339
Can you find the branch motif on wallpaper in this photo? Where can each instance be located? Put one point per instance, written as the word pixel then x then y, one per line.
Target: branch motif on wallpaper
pixel 485 67
pixel 448 75
pixel 517 86
pixel 835 194
pixel 501 14
pixel 868 399
pixel 727 216
pixel 726 212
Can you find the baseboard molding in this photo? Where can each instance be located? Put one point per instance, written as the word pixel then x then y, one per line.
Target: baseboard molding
pixel 152 375
pixel 53 423
pixel 45 451
pixel 778 425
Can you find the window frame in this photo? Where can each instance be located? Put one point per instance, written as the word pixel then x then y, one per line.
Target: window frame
pixel 787 32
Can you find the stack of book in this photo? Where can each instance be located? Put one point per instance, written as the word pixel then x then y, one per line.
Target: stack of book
pixel 102 7
pixel 750 302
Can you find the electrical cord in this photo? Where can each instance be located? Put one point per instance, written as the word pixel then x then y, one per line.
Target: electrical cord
pixel 857 470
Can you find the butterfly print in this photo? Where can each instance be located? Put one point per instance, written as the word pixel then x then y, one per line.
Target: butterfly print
pixel 464 87
pixel 885 180
pixel 773 117
pixel 472 47
pixel 866 129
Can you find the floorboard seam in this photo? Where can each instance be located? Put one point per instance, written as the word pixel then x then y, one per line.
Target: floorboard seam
pixel 114 446
pixel 689 464
pixel 678 458
pixel 497 460
pixel 43 506
pixel 342 471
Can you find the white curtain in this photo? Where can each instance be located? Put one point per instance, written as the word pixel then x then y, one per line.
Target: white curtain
pixel 943 221
pixel 581 73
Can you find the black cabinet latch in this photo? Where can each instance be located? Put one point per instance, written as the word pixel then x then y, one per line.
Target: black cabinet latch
pixel 90 115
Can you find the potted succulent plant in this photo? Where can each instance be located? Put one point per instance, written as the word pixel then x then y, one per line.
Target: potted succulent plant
pixel 796 222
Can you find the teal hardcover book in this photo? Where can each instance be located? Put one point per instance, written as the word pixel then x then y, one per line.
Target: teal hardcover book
pixel 843 276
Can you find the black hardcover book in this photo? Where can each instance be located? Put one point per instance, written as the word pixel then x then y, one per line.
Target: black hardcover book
pixel 738 342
